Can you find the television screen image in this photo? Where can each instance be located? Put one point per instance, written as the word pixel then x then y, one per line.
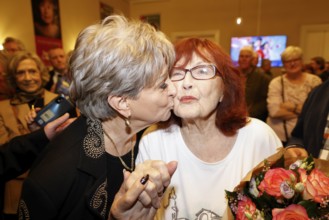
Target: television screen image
pixel 267 47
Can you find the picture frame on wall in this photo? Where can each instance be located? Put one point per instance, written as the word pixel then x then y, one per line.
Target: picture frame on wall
pixel 153 20
pixel 105 10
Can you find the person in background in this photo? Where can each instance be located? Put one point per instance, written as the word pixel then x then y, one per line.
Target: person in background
pixel 121 85
pixel 318 66
pixel 288 92
pixel 27 75
pixel 211 135
pixel 6 92
pixel 255 59
pixel 46 18
pixel 326 67
pixel 256 85
pixel 59 82
pixel 307 67
pixel 266 67
pixel 310 130
pixel 12 45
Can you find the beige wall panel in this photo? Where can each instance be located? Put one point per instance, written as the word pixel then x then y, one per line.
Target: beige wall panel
pixel 16 19
pixel 260 17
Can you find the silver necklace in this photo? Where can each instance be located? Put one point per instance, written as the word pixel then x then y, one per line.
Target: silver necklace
pixel 121 160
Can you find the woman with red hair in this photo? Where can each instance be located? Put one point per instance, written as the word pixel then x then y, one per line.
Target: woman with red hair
pixel 211 135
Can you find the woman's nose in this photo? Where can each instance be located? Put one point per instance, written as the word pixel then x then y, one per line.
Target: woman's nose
pixel 188 80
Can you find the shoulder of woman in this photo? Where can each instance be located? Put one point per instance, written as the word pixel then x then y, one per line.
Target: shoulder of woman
pixel 256 124
pixel 156 129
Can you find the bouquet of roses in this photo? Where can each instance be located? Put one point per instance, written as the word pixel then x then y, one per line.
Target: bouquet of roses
pixel 280 191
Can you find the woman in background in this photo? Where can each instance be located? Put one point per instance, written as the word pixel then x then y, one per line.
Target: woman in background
pixel 287 93
pixel 27 75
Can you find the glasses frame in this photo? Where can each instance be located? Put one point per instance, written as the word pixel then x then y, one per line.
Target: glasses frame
pixel 289 62
pixel 216 72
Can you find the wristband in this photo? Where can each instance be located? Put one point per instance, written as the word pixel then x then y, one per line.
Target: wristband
pixel 294 146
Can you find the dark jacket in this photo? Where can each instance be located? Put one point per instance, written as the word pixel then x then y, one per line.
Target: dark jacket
pixel 70 180
pixel 256 94
pixel 17 155
pixel 311 123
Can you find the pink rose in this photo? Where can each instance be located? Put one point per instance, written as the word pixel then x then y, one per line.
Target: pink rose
pixel 273 180
pixel 316 185
pixel 292 212
pixel 246 208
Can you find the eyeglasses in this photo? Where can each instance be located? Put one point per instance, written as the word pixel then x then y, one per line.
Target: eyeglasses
pixel 201 72
pixel 292 61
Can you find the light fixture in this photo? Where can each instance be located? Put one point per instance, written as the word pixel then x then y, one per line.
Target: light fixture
pixel 238 20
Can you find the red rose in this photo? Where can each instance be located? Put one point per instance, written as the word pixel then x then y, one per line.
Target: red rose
pixel 292 212
pixel 246 208
pixel 273 180
pixel 316 185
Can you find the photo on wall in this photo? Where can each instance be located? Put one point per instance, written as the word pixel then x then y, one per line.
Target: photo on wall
pixel 105 10
pixel 47 27
pixel 153 20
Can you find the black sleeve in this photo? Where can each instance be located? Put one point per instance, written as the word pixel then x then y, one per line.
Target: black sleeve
pixel 19 153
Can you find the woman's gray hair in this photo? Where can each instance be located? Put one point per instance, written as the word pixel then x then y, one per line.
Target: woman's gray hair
pixel 19 57
pixel 116 57
pixel 291 52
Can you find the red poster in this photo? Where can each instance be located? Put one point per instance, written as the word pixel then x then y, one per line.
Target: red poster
pixel 47 27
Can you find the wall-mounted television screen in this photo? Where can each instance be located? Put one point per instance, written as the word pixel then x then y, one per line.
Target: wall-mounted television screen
pixel 267 47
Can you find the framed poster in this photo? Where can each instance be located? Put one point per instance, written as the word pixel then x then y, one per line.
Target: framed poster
pixel 153 20
pixel 105 10
pixel 47 28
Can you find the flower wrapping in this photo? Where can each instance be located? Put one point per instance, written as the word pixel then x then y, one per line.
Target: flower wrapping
pixel 282 188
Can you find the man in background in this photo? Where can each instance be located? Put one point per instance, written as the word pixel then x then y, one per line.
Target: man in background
pixel 256 84
pixel 12 45
pixel 318 65
pixel 266 67
pixel 58 82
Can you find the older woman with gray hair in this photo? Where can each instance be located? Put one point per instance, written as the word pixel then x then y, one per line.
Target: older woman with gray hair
pixel 120 83
pixel 288 92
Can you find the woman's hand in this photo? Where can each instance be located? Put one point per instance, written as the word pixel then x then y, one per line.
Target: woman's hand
pixel 294 152
pixel 159 174
pixel 58 125
pixel 126 204
pixel 138 199
pixel 29 118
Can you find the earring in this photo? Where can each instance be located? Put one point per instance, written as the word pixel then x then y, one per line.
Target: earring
pixel 127 122
pixel 221 99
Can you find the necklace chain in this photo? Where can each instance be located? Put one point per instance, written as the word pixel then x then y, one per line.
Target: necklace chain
pixel 121 160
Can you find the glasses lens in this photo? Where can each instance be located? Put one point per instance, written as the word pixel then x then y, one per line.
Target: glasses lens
pixel 203 72
pixel 177 74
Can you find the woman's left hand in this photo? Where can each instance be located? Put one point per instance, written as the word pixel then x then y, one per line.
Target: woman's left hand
pixel 141 192
pixel 292 153
pixel 126 204
pixel 29 118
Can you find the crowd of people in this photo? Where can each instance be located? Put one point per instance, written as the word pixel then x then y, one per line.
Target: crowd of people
pixel 149 112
